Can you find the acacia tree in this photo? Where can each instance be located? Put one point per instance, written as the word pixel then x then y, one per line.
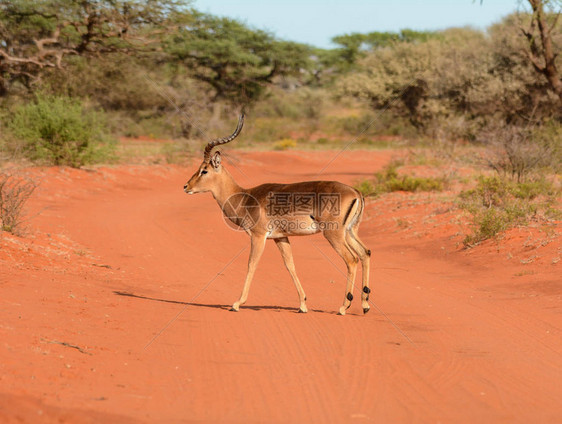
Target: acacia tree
pixel 37 35
pixel 235 61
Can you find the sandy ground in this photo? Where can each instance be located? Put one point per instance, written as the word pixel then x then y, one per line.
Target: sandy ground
pixel 114 308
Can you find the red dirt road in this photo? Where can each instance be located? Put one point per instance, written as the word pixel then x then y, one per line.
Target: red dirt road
pixel 115 309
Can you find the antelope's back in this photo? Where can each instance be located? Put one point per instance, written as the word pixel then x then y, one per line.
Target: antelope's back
pixel 322 201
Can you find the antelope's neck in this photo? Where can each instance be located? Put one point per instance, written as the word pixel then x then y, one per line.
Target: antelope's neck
pixel 227 188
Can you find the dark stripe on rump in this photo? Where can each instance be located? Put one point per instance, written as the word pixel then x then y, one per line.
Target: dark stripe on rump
pixel 347 213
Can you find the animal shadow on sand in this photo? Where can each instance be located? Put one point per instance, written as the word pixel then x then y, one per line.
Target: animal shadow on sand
pixel 218 306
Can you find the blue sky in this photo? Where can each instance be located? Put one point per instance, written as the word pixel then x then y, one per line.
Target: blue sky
pixel 317 21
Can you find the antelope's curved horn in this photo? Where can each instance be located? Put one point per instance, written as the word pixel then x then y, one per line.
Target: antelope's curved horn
pixel 219 141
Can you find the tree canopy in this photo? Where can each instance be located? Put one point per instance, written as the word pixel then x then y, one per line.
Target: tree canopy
pixel 236 61
pixel 35 35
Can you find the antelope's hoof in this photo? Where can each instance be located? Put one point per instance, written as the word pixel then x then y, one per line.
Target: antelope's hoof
pixel 235 307
pixel 342 311
pixel 303 310
pixel 365 310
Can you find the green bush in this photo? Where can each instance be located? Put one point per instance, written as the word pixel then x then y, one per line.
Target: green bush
pixel 488 223
pixel 389 180
pixel 497 204
pixel 409 183
pixel 365 187
pixel 496 191
pixel 490 191
pixel 60 131
pixel 532 189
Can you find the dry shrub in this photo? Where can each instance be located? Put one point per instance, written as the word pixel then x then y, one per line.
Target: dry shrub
pixel 14 193
pixel 517 151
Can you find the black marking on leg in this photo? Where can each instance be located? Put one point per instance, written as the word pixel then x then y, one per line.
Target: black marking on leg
pixel 369 252
pixel 349 297
pixel 312 217
pixel 366 290
pixel 305 298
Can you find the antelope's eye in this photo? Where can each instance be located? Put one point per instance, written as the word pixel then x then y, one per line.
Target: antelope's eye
pixel 203 172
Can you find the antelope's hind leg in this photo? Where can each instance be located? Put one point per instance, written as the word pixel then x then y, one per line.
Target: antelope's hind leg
pixel 338 242
pixel 256 250
pixel 365 256
pixel 287 254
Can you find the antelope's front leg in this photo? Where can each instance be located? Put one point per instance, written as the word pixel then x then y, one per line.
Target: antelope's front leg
pixel 256 249
pixel 285 249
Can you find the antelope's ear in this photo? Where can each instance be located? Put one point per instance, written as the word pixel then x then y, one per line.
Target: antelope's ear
pixel 216 160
